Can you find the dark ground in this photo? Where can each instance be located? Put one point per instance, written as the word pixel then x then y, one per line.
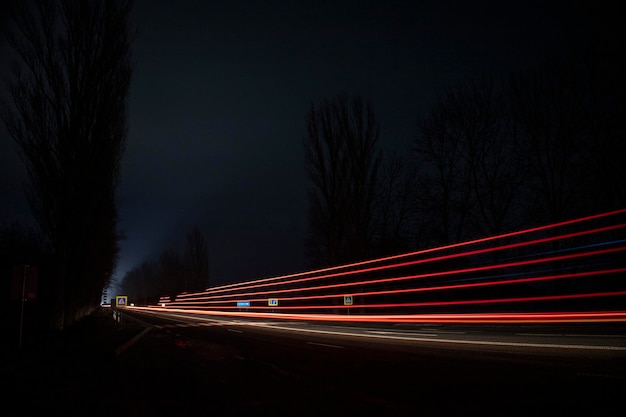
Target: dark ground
pixel 86 371
pixel 73 372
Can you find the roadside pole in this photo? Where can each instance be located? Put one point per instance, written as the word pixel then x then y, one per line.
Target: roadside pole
pixel 23 288
pixel 22 307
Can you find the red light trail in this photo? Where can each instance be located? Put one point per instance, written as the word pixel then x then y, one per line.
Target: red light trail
pixel 254 284
pixel 411 277
pixel 325 288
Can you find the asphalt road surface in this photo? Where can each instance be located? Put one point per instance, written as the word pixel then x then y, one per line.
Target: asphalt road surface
pixel 147 365
pixel 287 368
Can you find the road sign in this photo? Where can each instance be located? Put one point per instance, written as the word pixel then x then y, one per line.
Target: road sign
pixel 121 300
pixel 272 302
pixel 347 300
pixel 243 303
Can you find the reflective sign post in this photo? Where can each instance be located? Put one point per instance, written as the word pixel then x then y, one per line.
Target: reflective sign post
pixel 348 300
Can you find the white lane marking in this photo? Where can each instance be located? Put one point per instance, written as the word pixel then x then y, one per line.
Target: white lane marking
pixel 325 345
pixel 131 342
pixel 398 333
pixel 460 342
pixel 571 335
pixel 234 330
pixel 417 339
pixel 450 332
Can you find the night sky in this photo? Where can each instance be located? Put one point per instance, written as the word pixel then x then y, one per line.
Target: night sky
pixel 220 93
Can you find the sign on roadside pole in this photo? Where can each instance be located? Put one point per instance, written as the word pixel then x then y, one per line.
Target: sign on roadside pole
pixel 272 302
pixel 121 300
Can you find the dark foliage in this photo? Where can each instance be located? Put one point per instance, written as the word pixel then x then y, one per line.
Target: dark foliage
pixel 342 163
pixel 541 147
pixel 173 273
pixel 66 113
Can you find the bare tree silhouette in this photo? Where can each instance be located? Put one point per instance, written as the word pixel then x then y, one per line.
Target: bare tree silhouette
pixel 547 110
pixel 173 273
pixel 342 164
pixel 395 214
pixel 196 258
pixel 67 114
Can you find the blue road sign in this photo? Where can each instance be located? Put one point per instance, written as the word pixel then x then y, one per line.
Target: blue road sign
pixel 272 302
pixel 347 300
pixel 243 303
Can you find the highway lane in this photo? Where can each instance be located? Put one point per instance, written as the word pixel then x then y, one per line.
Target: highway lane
pixel 586 339
pixel 401 370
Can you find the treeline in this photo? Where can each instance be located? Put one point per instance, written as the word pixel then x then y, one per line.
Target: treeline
pixel 64 107
pixel 174 272
pixel 491 156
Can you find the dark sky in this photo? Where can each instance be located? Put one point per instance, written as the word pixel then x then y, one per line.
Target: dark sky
pixel 221 90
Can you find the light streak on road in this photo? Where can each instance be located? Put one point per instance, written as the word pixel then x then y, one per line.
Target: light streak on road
pixel 588 264
pixel 245 296
pixel 540 317
pixel 254 283
pixel 436 336
pixel 187 297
